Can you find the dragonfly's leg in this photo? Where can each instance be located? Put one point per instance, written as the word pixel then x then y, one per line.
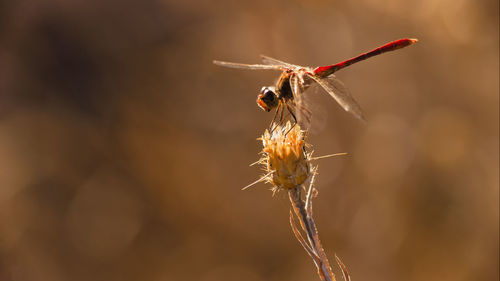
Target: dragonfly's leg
pixel 282 115
pixel 288 107
pixel 291 113
pixel 273 124
pixel 274 119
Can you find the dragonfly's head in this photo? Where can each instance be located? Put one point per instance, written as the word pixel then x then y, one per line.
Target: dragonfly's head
pixel 267 99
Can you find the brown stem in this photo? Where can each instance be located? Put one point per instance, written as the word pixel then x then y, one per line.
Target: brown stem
pixel 309 227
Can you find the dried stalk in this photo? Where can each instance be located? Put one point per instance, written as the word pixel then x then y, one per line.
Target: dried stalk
pixel 303 210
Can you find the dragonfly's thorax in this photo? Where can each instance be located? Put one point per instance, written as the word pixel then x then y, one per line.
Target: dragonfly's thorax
pixel 283 88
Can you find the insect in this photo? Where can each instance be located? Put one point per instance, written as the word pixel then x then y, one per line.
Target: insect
pixel 287 94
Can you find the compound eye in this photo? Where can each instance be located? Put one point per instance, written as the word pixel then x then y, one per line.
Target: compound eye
pixel 267 99
pixel 268 94
pixel 264 90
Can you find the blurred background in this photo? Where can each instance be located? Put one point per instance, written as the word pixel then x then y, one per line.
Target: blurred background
pixel 123 148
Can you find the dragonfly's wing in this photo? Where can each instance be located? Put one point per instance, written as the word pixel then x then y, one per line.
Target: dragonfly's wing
pixel 341 94
pixel 247 66
pixel 301 108
pixel 271 61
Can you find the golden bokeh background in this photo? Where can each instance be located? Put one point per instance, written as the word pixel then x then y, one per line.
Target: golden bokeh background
pixel 123 148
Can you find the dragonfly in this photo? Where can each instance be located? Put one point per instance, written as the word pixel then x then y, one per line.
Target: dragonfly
pixel 288 93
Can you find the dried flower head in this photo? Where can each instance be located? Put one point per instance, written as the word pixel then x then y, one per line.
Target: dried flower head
pixel 286 162
pixel 285 158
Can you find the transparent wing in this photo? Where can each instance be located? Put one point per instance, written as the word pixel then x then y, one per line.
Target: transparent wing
pixel 301 108
pixel 271 61
pixel 341 94
pixel 247 66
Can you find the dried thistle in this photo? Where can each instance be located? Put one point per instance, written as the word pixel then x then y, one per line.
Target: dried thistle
pixel 284 157
pixel 288 166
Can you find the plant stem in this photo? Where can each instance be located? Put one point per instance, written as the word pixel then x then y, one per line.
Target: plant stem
pixel 303 210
